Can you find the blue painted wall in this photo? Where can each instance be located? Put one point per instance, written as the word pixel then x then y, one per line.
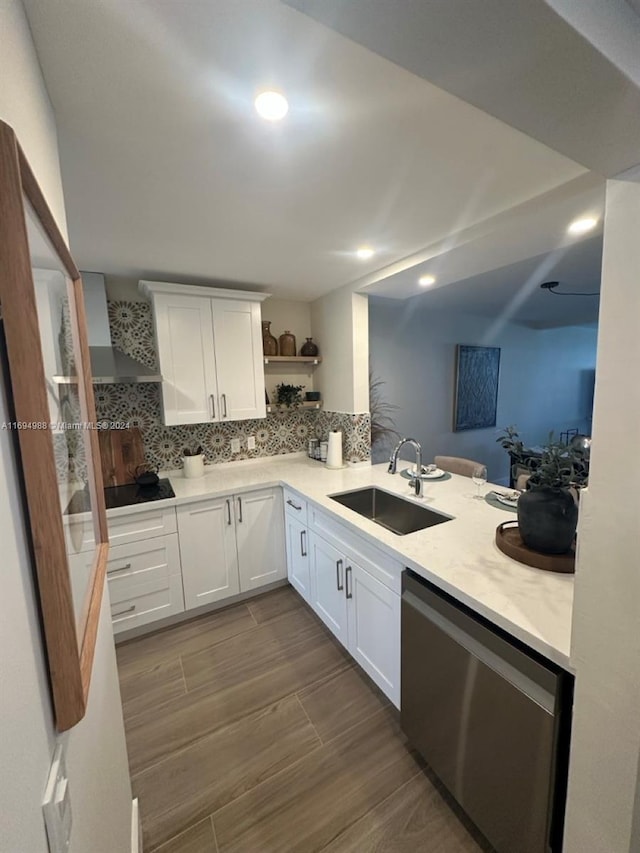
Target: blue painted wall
pixel 546 378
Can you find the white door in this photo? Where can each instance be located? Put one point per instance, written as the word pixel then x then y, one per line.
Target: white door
pixel 327 587
pixel 237 332
pixel 208 551
pixel 184 337
pixel 298 556
pixel 259 534
pixel 374 629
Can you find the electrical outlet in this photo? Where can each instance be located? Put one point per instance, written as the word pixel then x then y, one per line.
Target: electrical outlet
pixel 235 445
pixel 251 442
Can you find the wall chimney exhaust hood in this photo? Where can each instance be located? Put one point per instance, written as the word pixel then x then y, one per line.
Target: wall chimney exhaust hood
pixel 108 365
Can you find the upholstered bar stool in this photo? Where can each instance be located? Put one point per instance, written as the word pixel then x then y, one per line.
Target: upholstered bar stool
pixel 456 465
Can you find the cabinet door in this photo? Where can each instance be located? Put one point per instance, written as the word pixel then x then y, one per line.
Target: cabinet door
pixel 184 337
pixel 237 333
pixel 374 629
pixel 208 551
pixel 327 587
pixel 259 534
pixel 298 556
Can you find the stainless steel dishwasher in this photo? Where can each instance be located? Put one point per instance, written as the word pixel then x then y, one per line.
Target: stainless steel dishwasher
pixel 490 717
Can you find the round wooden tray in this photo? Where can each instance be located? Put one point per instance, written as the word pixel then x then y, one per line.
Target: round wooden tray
pixel 510 542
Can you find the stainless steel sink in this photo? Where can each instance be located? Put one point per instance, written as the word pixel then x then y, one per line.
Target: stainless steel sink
pixel 390 511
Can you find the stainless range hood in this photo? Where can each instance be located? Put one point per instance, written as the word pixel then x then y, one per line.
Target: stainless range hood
pixel 108 364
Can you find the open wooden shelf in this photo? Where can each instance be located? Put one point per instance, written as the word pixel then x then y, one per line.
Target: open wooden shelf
pixel 281 407
pixel 292 359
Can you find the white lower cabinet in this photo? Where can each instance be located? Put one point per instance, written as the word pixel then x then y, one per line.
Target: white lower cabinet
pixel 374 630
pixel 361 610
pixel 328 597
pixel 297 542
pixel 145 583
pixel 260 538
pixel 298 558
pixel 231 545
pixel 208 551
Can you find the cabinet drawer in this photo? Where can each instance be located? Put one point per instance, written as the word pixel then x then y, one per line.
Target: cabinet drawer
pixel 147 606
pixel 142 525
pixel 295 506
pixel 384 568
pixel 141 567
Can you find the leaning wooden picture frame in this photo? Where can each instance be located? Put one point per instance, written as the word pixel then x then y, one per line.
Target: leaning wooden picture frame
pixel 50 396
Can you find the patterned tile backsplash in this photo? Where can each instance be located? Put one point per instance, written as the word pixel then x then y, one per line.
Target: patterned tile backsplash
pixel 140 404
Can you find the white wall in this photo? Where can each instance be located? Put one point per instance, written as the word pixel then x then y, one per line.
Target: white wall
pixel 96 751
pixel 542 384
pixel 603 811
pixel 294 316
pixel 339 324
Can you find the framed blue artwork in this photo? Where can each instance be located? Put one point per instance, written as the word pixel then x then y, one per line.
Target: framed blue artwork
pixel 476 392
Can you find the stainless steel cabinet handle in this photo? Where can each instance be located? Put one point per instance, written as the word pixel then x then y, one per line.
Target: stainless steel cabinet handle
pixel 122 612
pixel 295 506
pixel 224 400
pixel 124 568
pixel 213 406
pixel 240 510
pixel 303 543
pixel 339 583
pixel 228 512
pixel 349 592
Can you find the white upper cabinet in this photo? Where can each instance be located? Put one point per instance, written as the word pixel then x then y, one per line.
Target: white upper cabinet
pixel 237 333
pixel 184 338
pixel 209 345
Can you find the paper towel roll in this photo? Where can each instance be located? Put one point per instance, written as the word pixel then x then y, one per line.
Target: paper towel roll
pixel 334 451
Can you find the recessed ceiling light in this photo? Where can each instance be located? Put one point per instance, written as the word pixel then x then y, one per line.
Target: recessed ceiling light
pixel 271 106
pixel 581 226
pixel 365 252
pixel 426 280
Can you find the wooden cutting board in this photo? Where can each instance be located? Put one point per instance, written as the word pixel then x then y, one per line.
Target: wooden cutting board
pixel 121 453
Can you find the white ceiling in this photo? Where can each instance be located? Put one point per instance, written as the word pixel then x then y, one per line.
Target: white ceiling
pixel 497 266
pixel 566 73
pixel 512 293
pixel 168 173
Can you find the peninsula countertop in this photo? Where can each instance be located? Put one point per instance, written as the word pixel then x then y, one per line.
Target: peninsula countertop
pixel 459 557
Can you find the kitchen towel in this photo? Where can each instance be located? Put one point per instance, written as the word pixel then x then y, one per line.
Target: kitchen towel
pixel 334 450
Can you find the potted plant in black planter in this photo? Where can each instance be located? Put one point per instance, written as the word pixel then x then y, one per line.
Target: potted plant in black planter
pixel 548 510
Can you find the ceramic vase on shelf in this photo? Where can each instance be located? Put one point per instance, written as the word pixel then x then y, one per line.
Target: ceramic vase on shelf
pixel 309 349
pixel 287 343
pixel 269 343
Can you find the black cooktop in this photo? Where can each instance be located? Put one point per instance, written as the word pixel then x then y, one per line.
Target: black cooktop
pixel 123 496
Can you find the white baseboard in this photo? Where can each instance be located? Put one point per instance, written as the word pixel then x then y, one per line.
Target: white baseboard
pixel 136 828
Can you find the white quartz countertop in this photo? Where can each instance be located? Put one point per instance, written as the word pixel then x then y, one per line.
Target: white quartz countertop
pixel 460 556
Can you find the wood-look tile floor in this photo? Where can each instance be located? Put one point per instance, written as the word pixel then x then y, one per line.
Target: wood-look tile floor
pixel 250 730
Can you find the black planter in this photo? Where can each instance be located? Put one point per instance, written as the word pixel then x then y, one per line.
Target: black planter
pixel 547 519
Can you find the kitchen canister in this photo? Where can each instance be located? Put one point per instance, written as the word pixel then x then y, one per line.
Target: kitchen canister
pixel 334 449
pixel 193 466
pixel 287 343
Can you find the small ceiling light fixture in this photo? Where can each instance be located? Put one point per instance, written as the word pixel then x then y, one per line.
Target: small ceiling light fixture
pixel 271 106
pixel 426 280
pixel 551 287
pixel 581 226
pixel 365 252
